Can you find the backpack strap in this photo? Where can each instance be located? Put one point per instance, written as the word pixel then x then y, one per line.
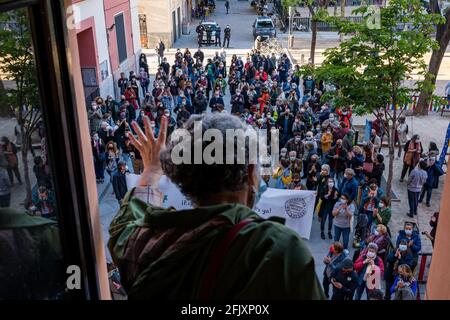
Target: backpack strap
pixel 217 257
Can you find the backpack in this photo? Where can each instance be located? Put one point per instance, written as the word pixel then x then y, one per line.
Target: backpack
pixel 404 293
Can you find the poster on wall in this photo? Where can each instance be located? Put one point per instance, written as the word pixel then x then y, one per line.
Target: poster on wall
pixel 104 69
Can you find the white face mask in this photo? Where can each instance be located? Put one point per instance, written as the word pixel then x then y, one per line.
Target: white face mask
pixel 371 254
pixel 376 232
pixel 403 247
pixel 331 184
pixel 382 206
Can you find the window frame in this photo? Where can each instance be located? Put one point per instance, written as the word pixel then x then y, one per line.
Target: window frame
pixel 59 113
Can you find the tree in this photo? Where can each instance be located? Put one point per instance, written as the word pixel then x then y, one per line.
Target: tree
pixel 369 69
pixel 341 36
pixel 318 10
pixel 442 38
pixel 16 52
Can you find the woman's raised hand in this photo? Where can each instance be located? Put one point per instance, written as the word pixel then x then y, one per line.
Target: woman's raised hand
pixel 150 148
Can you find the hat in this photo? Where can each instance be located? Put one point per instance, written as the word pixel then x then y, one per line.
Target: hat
pixel 347 264
pixel 372 246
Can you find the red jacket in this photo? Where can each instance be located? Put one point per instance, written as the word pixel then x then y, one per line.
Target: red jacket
pixel 359 264
pixel 344 117
pixel 261 75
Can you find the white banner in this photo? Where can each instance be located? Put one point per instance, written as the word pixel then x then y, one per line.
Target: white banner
pixel 296 206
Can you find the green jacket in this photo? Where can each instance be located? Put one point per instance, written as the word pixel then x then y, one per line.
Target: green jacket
pixel 33 268
pixel 163 254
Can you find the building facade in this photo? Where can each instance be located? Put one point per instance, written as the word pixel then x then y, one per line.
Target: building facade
pixel 163 19
pixel 108 43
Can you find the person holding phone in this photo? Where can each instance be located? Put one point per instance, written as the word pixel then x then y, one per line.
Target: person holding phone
pixel 344 280
pixel 369 268
pixel 343 212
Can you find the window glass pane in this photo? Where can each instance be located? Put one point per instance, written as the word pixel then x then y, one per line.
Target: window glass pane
pixel 120 34
pixel 29 227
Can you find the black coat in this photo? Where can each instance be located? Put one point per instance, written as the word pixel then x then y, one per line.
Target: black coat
pixel 349 283
pixel 119 183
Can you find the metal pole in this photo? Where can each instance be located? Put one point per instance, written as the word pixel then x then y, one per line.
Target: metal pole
pixel 290 28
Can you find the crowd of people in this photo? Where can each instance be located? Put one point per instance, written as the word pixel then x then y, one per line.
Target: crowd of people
pixel 318 152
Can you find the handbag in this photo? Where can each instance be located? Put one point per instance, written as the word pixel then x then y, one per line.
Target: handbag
pixel 318 206
pixel 368 167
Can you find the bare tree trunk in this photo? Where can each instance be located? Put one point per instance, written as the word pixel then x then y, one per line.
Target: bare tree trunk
pixel 391 159
pixel 313 39
pixel 341 36
pixel 443 39
pixel 433 69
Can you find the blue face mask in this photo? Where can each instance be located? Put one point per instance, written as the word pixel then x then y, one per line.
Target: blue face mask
pixel 408 232
pixel 403 247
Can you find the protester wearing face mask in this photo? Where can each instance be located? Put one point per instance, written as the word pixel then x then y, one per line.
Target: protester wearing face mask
pixel 370 269
pixel 416 180
pixel 382 214
pixel 222 197
pixel 413 149
pixel 401 256
pixel 295 144
pixel 215 101
pixel 331 122
pixel 326 140
pixel 343 212
pixel 412 238
pixel 283 175
pixel 344 280
pixel 310 153
pixel 433 223
pixel 296 183
pixel 283 154
pixel 381 238
pixel 328 197
pixel 434 171
pixel 370 199
pixel 95 117
pixel 337 158
pixel 313 172
pixel 349 185
pixel 98 150
pixel 299 126
pixel 405 285
pixel 332 261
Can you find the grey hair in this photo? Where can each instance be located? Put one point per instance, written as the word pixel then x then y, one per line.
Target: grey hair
pixel 350 171
pixel 200 181
pixel 325 167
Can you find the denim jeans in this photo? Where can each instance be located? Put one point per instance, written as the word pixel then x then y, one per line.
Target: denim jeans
pixel 413 200
pixel 360 290
pixel 428 191
pixel 345 235
pixel 330 217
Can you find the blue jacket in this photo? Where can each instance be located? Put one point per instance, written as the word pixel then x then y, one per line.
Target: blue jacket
pixel 406 258
pixel 349 187
pixel 365 195
pixel 334 265
pixel 434 172
pixel 413 285
pixel 415 237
